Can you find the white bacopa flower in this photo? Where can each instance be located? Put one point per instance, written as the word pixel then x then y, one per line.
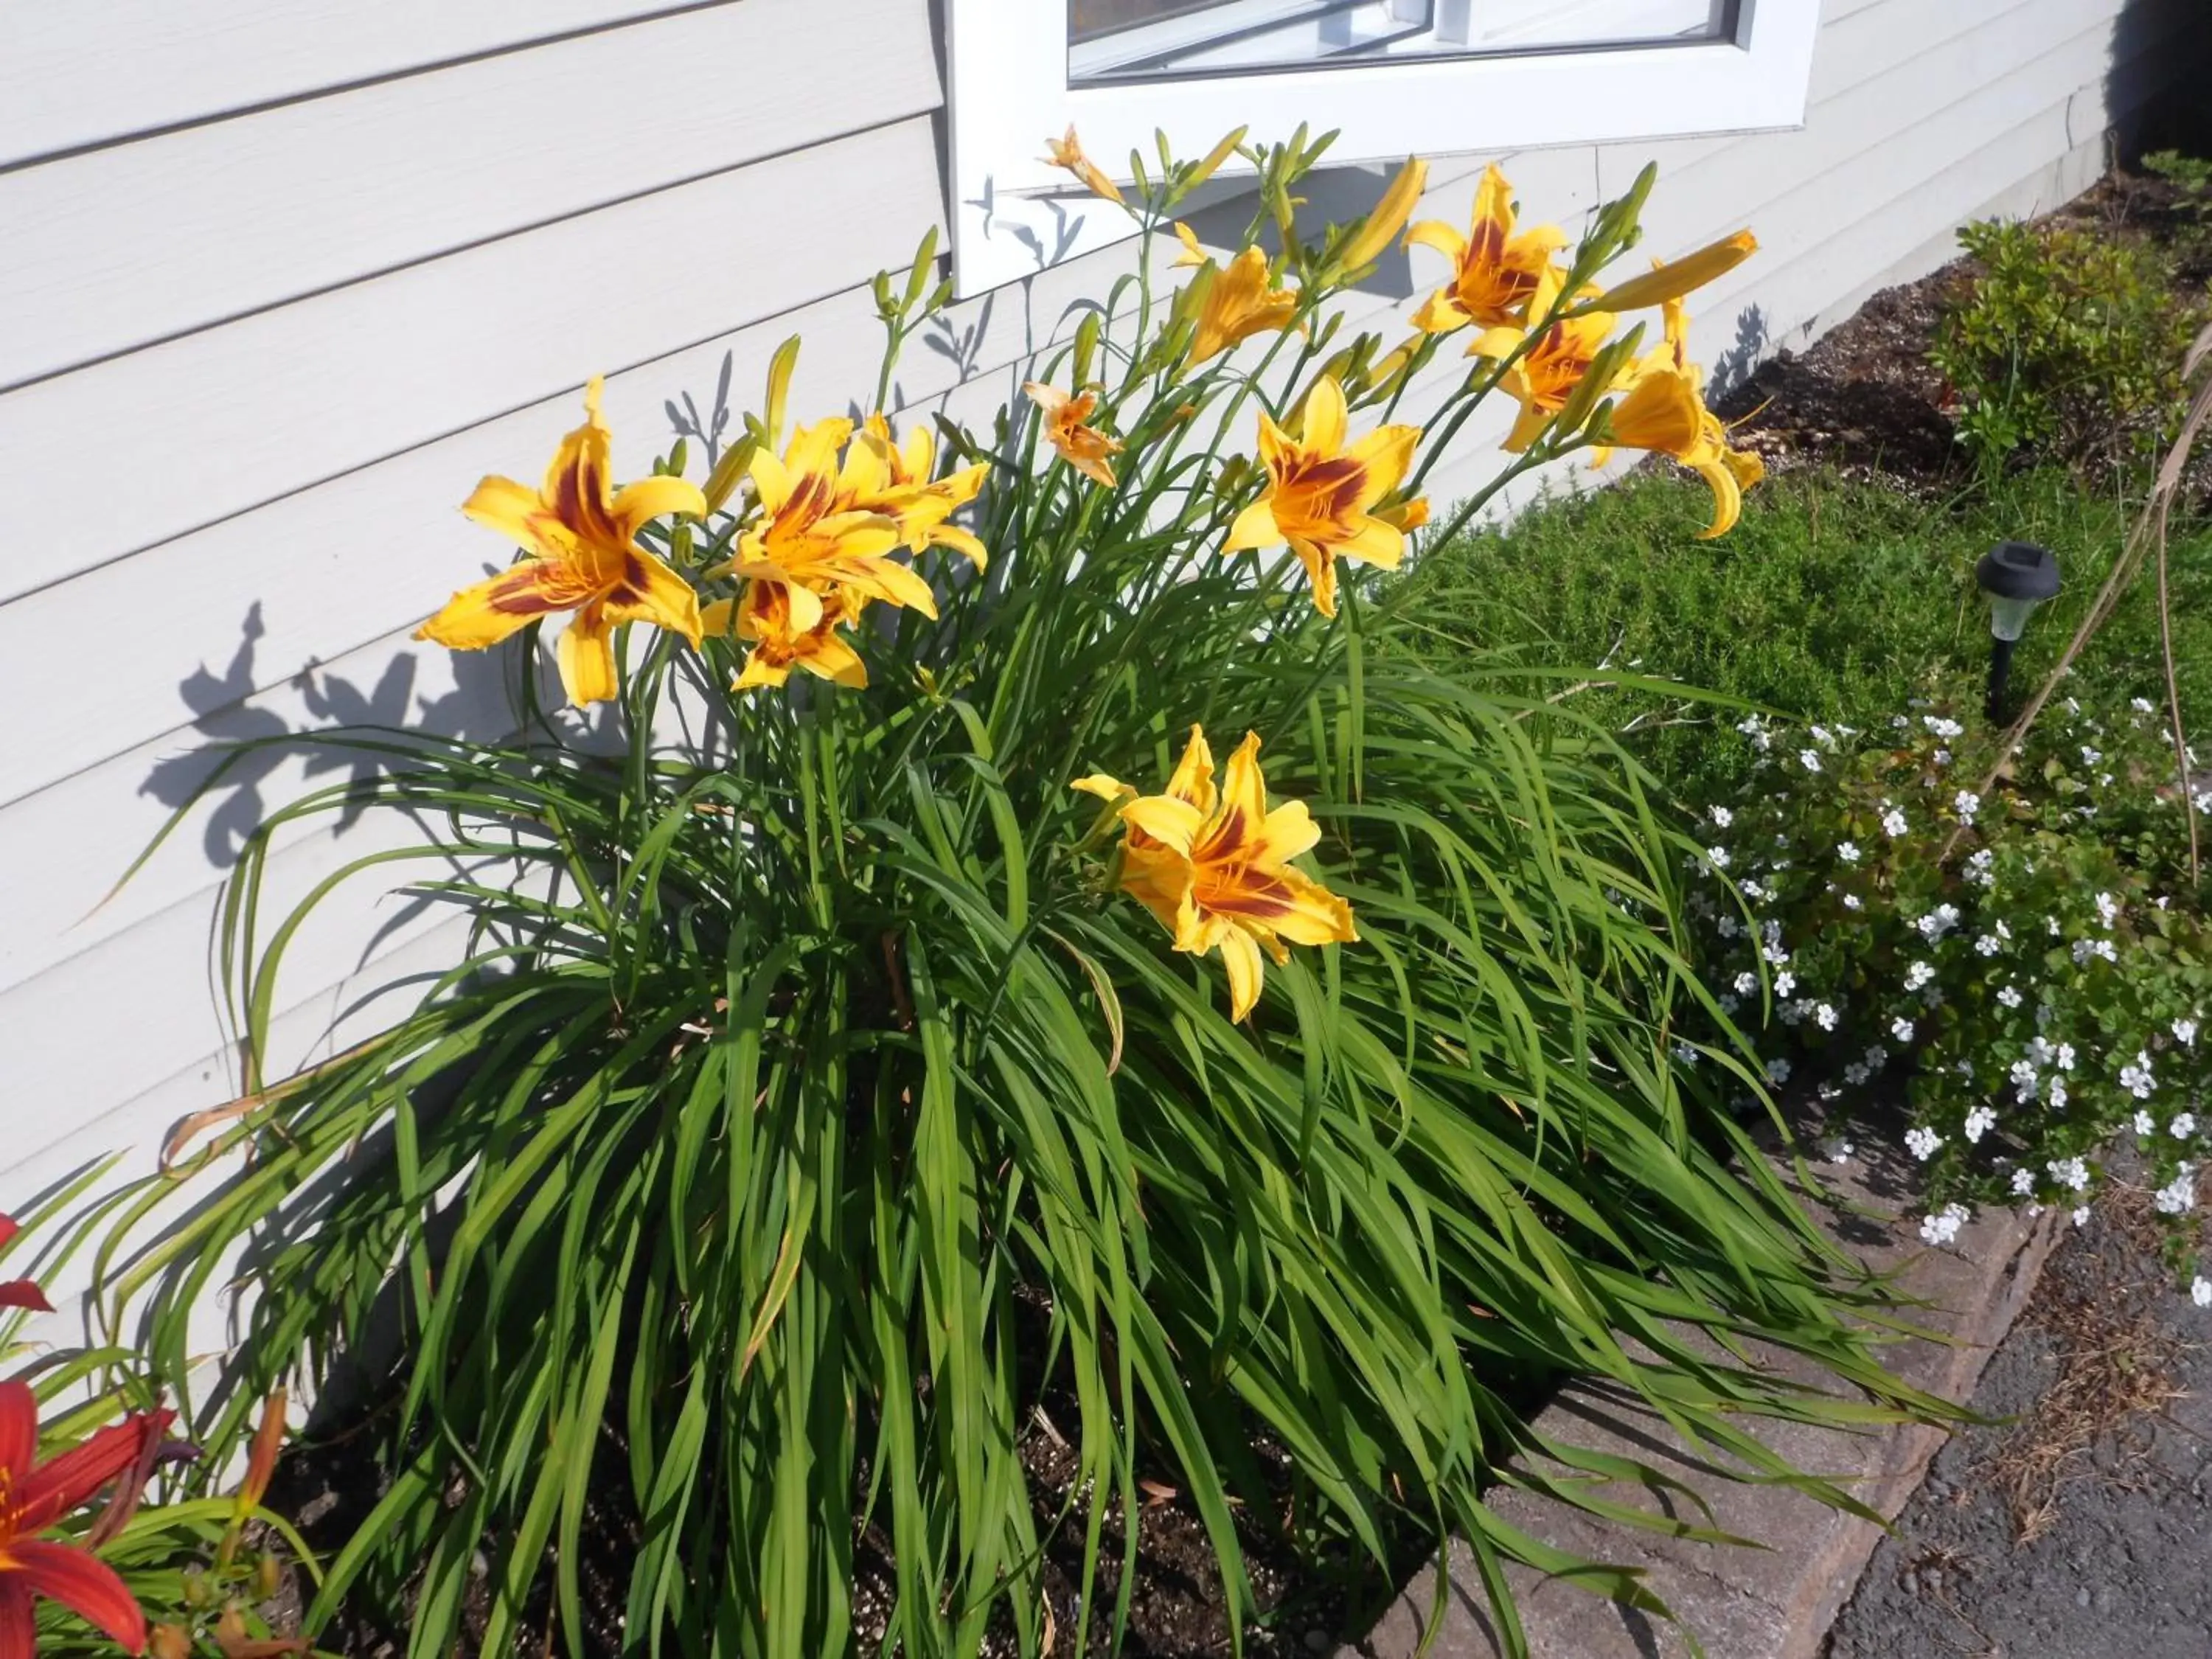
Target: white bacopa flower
pixel 2178 1195
pixel 1809 759
pixel 1892 820
pixel 1746 982
pixel 1824 738
pixel 2200 1291
pixel 2137 1079
pixel 2145 1125
pixel 1919 974
pixel 2040 1051
pixel 2062 1055
pixel 1922 1143
pixel 2024 1082
pixel 2108 909
pixel 2141 705
pixel 2090 757
pixel 1754 889
pixel 1784 983
pixel 1855 1073
pixel 2080 1215
pixel 1777 1070
pixel 2201 801
pixel 2069 1172
pixel 2003 932
pixel 1876 1057
pixel 1686 1054
pixel 1848 851
pixel 2182 1126
pixel 1850 901
pixel 2086 949
pixel 1981 868
pixel 1722 817
pixel 2185 1033
pixel 2057 1096
pixel 1942 757
pixel 1729 1002
pixel 2023 1182
pixel 1717 856
pixel 1901 1029
pixel 2052 922
pixel 2008 996
pixel 1943 1226
pixel 1824 1016
pixel 1988 945
pixel 1775 955
pixel 1940 728
pixel 1728 927
pixel 1979 1122
pixel 1965 803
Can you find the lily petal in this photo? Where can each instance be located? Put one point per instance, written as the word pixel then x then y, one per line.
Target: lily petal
pixel 652 592
pixel 19 1431
pixel 86 1585
pixel 1325 417
pixel 587 659
pixel 1193 778
pixel 1240 956
pixel 638 504
pixel 491 610
pixel 19 1628
pixel 1173 823
pixel 1255 526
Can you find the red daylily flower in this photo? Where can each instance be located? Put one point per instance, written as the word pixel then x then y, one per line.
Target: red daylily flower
pixel 19 1292
pixel 35 1495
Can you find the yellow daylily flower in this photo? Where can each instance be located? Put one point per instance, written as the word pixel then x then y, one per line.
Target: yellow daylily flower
pixel 1238 303
pixel 1321 495
pixel 812 538
pixel 1495 268
pixel 1664 411
pixel 1068 152
pixel 1082 446
pixel 763 615
pixel 577 534
pixel 1214 865
pixel 1545 376
pixel 1671 279
pixel 923 508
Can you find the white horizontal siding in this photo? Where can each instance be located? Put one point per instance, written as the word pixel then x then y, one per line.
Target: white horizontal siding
pixel 79 72
pixel 250 213
pixel 285 398
pixel 294 447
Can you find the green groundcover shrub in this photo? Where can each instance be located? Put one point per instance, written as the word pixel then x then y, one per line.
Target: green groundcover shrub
pixel 838 1095
pixel 1833 600
pixel 2065 345
pixel 2032 958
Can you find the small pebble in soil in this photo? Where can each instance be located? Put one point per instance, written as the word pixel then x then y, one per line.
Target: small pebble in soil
pixel 1317 1641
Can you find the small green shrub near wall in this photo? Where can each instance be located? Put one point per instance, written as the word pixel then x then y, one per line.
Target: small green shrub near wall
pixel 2064 345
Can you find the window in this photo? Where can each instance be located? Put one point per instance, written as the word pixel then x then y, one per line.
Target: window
pixel 1395 77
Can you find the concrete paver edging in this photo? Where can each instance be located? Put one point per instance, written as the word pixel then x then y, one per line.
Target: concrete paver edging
pixel 1778 1602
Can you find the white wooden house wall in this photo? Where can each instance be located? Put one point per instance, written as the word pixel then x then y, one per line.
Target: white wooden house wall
pixel 279 279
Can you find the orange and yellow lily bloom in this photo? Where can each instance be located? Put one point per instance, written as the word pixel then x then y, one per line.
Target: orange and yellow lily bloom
pixel 1545 376
pixel 1495 268
pixel 1322 497
pixel 813 539
pixel 578 535
pixel 1067 429
pixel 1214 865
pixel 763 616
pixel 922 507
pixel 1068 152
pixel 1664 411
pixel 1237 303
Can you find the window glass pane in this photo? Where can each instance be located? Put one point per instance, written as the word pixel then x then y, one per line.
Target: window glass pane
pixel 1146 40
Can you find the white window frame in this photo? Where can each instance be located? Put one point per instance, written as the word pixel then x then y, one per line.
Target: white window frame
pixel 1014 214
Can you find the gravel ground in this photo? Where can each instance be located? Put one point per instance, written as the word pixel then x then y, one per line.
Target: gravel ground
pixel 2082 1528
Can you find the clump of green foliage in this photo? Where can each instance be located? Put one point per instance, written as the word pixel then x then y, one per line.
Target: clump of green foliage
pixel 2064 345
pixel 2191 178
pixel 2032 951
pixel 1833 600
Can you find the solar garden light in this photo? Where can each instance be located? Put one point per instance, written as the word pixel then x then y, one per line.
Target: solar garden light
pixel 2017 576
